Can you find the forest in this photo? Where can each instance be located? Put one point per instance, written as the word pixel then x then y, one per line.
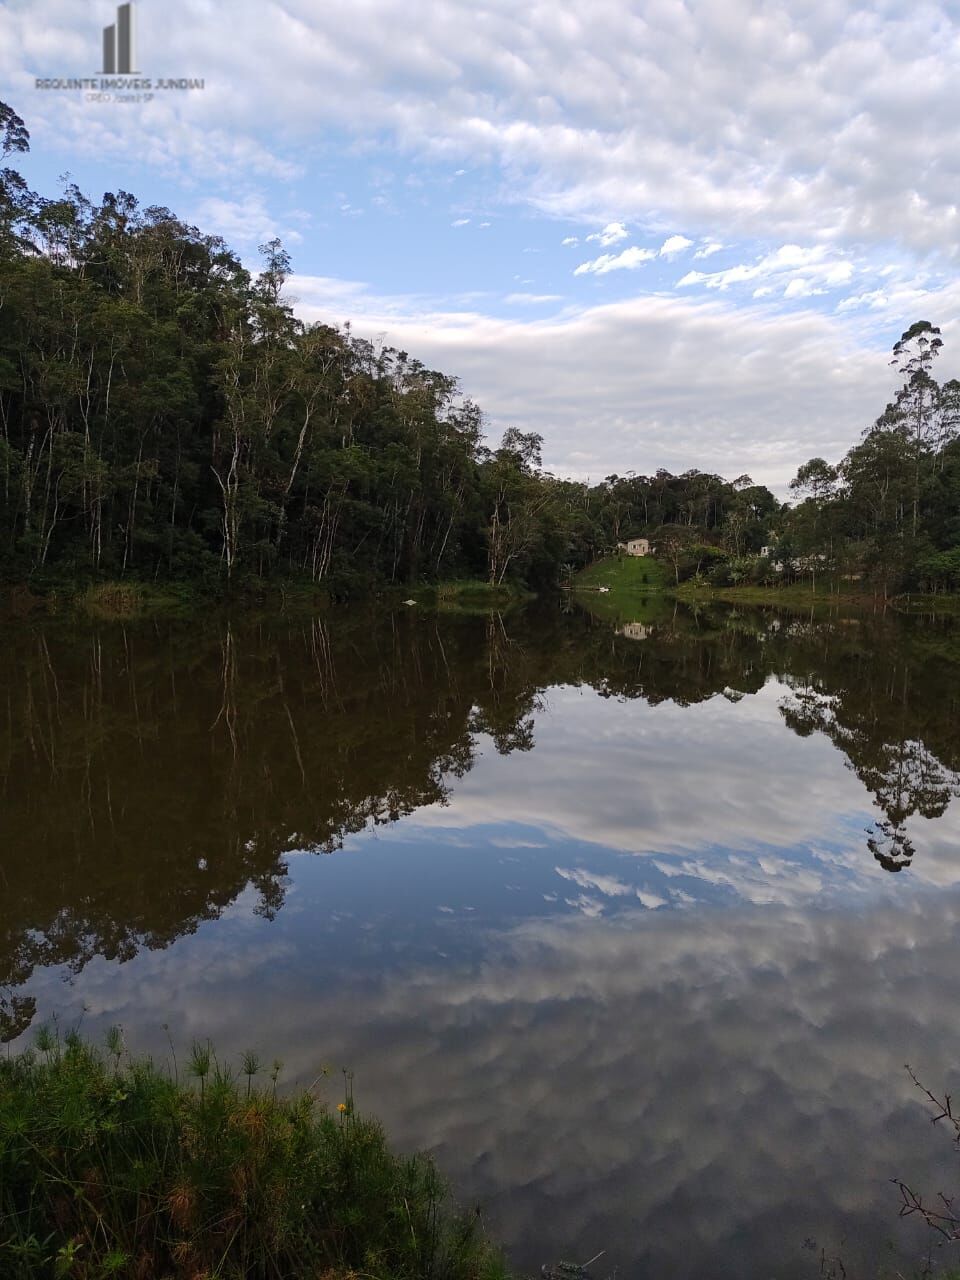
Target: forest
pixel 165 417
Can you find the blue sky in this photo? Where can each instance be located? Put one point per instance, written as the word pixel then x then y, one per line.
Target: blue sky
pixel 663 233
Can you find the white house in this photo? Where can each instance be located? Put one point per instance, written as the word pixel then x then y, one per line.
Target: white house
pixel 635 546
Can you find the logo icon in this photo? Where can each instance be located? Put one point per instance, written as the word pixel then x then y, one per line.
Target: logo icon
pixel 120 81
pixel 120 43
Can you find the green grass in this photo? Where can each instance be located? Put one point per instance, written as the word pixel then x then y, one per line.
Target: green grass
pixel 113 600
pixel 466 595
pixel 457 588
pixel 801 595
pixel 111 1167
pixel 796 595
pixel 633 574
pixel 119 599
pixel 636 589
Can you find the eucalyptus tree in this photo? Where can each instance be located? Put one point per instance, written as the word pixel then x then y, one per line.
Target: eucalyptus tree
pixel 915 412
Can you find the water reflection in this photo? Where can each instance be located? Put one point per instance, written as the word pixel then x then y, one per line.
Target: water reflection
pixel 630 961
pixel 156 771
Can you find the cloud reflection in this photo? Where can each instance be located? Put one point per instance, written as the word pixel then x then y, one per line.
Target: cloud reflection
pixel 676 1089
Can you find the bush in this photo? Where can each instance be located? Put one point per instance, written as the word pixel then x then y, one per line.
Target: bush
pixel 939 571
pixel 110 1167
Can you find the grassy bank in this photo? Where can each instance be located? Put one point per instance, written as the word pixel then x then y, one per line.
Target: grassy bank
pixel 110 1166
pixel 630 581
pixel 623 573
pixel 798 595
pixel 119 599
pixel 129 598
pixel 801 595
pixel 466 595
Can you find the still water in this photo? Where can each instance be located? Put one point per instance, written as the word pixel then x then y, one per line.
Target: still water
pixel 633 925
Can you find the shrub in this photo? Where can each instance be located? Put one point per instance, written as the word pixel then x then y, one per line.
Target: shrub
pixel 720 576
pixel 109 1167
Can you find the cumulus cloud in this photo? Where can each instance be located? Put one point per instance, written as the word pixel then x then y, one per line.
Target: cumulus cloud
pixel 612 233
pixel 624 385
pixel 245 223
pixel 651 900
pixel 801 117
pixel 809 128
pixel 673 245
pixel 460 222
pixel 801 271
pixel 628 260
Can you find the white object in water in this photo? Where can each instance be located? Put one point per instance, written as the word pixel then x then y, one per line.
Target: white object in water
pixel 409 602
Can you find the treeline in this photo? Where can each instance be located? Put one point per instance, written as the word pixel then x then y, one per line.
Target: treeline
pixel 889 511
pixel 165 416
pixel 887 516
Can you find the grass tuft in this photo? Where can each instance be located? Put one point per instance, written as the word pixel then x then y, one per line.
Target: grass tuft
pixel 109 1167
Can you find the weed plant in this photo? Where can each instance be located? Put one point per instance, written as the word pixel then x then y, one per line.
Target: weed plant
pixel 112 1166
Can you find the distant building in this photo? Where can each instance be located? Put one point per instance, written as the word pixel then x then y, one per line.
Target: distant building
pixel 635 546
pixel 634 630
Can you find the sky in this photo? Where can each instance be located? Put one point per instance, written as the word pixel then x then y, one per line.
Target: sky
pixel 668 233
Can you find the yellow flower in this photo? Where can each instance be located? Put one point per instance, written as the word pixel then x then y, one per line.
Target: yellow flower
pixel 341 1107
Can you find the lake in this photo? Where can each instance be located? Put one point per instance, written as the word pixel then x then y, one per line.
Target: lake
pixel 632 922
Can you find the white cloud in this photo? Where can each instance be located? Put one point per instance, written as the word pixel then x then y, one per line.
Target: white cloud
pixel 674 245
pixel 803 271
pixel 243 223
pixel 612 233
pixel 460 222
pixel 809 127
pixel 609 886
pixel 625 384
pixel 570 240
pixel 802 116
pixel 592 908
pixel 801 287
pixel 531 299
pixel 651 900
pixel 628 260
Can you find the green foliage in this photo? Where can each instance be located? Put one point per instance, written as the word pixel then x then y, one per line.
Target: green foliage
pixel 624 574
pixel 940 571
pixel 110 1168
pixel 165 417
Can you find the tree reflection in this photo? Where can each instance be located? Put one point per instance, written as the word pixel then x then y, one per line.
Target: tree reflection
pixel 884 714
pixel 152 773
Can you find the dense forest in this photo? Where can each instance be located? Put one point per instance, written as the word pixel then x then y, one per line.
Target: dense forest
pixel 165 416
